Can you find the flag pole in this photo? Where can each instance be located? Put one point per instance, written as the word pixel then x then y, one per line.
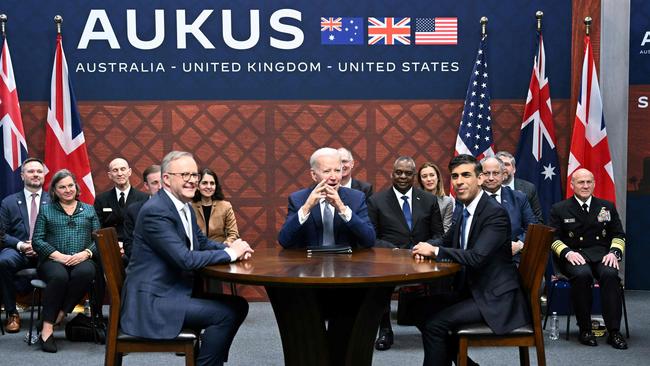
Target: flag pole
pixel 484 21
pixel 587 25
pixel 58 20
pixel 539 14
pixel 3 24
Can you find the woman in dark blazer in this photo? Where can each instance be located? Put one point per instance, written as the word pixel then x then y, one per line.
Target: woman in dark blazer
pixel 214 215
pixel 431 181
pixel 63 240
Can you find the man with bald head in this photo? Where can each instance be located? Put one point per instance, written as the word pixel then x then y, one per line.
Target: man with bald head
pixel 111 205
pixel 589 243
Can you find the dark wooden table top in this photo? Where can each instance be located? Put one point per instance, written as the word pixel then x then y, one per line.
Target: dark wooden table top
pixel 364 267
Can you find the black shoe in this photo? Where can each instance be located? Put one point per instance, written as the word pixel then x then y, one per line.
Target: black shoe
pixel 616 340
pixel 49 345
pixel 587 338
pixel 385 340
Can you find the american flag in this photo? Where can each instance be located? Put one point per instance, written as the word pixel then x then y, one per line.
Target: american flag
pixel 389 31
pixel 342 31
pixel 537 160
pixel 475 130
pixel 65 145
pixel 589 146
pixel 436 31
pixel 14 144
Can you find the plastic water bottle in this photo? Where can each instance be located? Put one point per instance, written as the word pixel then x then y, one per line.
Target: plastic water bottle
pixel 555 327
pixel 87 308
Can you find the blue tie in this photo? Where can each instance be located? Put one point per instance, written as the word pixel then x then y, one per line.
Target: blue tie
pixel 463 224
pixel 406 208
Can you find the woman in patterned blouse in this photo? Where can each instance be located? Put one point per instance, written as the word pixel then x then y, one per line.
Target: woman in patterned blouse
pixel 63 240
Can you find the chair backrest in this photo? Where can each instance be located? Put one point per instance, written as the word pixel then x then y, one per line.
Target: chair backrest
pixel 109 253
pixel 533 262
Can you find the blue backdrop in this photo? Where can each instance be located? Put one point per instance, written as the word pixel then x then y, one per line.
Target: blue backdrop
pixel 31 34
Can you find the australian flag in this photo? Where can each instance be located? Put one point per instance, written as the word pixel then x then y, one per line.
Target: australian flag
pixel 13 143
pixel 536 155
pixel 342 31
pixel 475 131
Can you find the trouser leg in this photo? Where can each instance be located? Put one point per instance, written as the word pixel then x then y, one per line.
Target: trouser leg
pixel 11 261
pixel 581 279
pixel 439 347
pixel 610 295
pixel 221 319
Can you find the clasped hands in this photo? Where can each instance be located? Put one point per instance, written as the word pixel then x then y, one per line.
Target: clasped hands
pixel 422 250
pixel 329 193
pixel 71 259
pixel 242 249
pixel 27 249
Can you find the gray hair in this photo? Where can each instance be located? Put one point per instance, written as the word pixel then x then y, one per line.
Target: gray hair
pixel 407 159
pixel 345 153
pixel 502 167
pixel 323 151
pixel 508 155
pixel 174 155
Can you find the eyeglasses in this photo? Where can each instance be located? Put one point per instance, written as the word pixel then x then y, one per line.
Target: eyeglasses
pixel 492 174
pixel 187 176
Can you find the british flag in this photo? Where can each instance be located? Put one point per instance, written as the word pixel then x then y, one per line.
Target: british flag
pixel 589 145
pixel 536 155
pixel 14 144
pixel 331 24
pixel 389 31
pixel 475 129
pixel 65 145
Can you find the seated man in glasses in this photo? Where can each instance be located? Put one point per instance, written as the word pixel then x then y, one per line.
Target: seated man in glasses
pixel 168 247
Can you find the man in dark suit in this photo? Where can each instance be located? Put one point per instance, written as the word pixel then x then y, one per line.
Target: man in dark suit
pixel 151 179
pixel 403 216
pixel 514 202
pixel 522 185
pixel 327 214
pixel 167 247
pixel 111 205
pixel 347 181
pixel 18 214
pixel 589 243
pixel 488 285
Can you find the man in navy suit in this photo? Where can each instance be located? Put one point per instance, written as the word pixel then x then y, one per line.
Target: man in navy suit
pixel 515 202
pixel 518 184
pixel 168 247
pixel 488 285
pixel 403 216
pixel 327 214
pixel 17 216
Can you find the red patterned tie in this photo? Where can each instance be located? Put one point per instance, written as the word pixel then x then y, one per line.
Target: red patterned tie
pixel 32 215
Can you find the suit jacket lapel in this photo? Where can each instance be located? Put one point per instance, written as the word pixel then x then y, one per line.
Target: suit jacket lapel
pixel 22 207
pixel 417 210
pixel 475 217
pixel 396 206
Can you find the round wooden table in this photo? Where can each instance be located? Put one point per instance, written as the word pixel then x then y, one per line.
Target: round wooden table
pixel 298 286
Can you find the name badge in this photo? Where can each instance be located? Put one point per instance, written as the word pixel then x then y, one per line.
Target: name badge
pixel 107 209
pixel 570 221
